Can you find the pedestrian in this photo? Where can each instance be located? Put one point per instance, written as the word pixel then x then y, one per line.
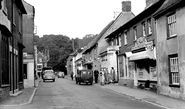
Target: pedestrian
pixel 96 73
pixel 113 75
pixel 72 76
pixel 106 75
pixel 102 79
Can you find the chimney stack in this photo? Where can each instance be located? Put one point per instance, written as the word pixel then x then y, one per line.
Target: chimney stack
pixel 126 6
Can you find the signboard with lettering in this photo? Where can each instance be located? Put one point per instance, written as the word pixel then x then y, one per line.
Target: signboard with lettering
pixel 141 42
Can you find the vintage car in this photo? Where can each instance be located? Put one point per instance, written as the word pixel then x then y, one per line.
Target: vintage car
pixel 49 75
pixel 60 74
pixel 84 76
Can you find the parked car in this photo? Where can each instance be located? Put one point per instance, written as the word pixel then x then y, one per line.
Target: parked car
pixel 84 76
pixel 60 74
pixel 48 75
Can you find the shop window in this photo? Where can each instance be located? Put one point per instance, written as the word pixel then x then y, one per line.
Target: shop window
pixel 5 60
pixel 172 25
pixel 174 70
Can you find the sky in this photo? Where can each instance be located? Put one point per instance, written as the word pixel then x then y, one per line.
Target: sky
pixel 77 18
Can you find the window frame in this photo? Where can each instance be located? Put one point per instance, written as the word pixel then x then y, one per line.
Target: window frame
pixel 169 23
pixel 144 28
pixel 149 22
pixel 172 58
pixel 135 33
pixel 125 37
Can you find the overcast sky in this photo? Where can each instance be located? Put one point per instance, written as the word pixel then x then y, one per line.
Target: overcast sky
pixel 76 18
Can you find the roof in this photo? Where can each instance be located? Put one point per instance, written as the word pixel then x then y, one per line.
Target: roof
pixel 20 5
pixel 148 11
pixel 122 18
pixel 166 5
pixel 95 40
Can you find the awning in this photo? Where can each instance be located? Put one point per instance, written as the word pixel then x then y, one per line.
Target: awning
pixel 142 55
pixel 128 54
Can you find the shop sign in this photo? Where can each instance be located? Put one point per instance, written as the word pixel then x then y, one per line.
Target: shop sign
pixel 141 42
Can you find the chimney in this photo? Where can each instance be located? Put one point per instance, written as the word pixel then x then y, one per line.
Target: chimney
pixel 126 6
pixel 150 2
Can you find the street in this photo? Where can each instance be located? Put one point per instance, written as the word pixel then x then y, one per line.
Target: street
pixel 65 94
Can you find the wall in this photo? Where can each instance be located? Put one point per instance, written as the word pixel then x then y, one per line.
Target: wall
pixel 28 28
pixel 29 82
pixel 170 46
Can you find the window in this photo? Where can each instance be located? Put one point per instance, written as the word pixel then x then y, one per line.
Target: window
pixel 117 40
pixel 14 19
pixel 149 26
pixel 172 25
pixel 20 22
pixel 125 37
pixel 174 69
pixel 135 33
pixel 144 29
pixel 4 60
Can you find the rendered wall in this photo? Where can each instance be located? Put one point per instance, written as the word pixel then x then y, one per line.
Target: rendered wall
pixel 166 47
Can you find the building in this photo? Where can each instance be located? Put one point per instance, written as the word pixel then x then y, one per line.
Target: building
pixel 11 45
pixel 5 34
pixel 42 60
pixel 69 64
pixel 28 34
pixel 170 51
pixel 79 60
pixel 137 61
pixel 109 55
pixel 15 13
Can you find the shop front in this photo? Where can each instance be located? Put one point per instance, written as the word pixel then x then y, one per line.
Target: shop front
pixel 144 60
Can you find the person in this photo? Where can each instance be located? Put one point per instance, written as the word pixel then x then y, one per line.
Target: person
pixel 72 76
pixel 96 73
pixel 106 75
pixel 113 75
pixel 102 79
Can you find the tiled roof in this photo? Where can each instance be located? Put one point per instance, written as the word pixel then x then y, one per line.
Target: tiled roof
pixel 166 5
pixel 94 41
pixel 119 21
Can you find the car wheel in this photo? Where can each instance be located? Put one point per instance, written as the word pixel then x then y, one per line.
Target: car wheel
pixel 79 83
pixel 54 80
pixel 43 80
pixel 91 83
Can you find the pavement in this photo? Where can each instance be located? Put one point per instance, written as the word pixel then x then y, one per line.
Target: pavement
pixel 27 96
pixel 22 97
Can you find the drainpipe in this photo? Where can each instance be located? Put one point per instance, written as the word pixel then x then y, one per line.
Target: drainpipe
pixel 12 47
pixel 117 66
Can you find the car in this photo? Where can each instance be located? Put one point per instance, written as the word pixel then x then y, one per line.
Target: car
pixel 48 75
pixel 60 74
pixel 84 76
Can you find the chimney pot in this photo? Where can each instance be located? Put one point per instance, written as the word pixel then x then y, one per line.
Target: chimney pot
pixel 126 6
